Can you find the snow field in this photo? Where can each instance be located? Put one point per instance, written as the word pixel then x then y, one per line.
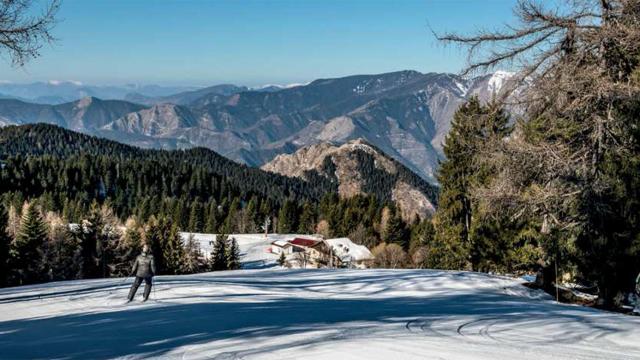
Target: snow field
pixel 308 314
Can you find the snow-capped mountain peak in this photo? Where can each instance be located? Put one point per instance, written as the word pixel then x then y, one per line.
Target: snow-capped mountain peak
pixel 498 80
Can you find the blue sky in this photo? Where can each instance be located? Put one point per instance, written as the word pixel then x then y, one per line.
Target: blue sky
pixel 249 42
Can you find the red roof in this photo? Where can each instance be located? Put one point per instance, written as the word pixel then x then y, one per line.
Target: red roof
pixel 304 242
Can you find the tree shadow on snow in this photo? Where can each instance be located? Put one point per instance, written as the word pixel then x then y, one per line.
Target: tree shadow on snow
pixel 155 330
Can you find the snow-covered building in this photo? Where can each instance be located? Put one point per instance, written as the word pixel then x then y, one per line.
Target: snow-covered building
pixel 310 253
pixel 281 246
pixel 351 254
pixel 318 253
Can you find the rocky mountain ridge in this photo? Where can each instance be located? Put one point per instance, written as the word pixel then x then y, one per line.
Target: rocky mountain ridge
pixel 406 114
pixel 359 168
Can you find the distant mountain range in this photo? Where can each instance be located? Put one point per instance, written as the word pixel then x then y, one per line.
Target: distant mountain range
pixel 406 114
pixel 56 92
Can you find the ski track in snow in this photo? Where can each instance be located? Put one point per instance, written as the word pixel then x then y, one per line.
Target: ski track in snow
pixel 308 314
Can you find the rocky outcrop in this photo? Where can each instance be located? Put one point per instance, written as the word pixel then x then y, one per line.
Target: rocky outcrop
pixel 159 120
pixel 360 168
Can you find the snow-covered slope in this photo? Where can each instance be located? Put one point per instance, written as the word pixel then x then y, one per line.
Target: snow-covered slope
pixel 298 314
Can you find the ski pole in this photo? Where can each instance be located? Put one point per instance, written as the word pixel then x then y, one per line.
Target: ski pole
pixel 120 284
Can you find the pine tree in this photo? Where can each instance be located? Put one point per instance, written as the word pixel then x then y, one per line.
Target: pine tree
pixel 195 217
pixel 219 253
pixel 307 223
pixel 27 248
pixel 89 234
pixel 233 255
pixel 99 241
pixel 250 218
pixel 212 218
pixel 472 125
pixel 192 263
pixel 233 217
pixel 282 259
pixel 173 250
pixel 287 218
pixel 422 234
pixel 395 230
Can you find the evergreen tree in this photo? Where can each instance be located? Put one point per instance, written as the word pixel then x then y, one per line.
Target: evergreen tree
pixel 307 223
pixel 350 219
pixel 233 255
pixel 265 211
pixel 287 217
pixel 250 219
pixel 422 234
pixel 195 217
pixel 233 217
pixel 192 263
pixel 473 125
pixel 27 247
pixel 395 231
pixel 99 241
pixel 89 234
pixel 173 250
pixel 219 253
pixel 212 222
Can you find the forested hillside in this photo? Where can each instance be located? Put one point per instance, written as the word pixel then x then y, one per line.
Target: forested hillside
pixel 75 165
pixel 77 206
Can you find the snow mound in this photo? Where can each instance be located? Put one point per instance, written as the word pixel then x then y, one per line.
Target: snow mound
pixel 345 248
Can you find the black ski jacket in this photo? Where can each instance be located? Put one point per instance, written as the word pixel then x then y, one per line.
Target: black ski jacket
pixel 144 266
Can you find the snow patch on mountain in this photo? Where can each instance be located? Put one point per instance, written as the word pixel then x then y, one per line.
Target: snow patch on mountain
pixel 462 87
pixel 497 81
pixel 62 82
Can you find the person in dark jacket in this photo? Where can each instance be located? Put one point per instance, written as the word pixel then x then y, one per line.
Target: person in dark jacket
pixel 144 268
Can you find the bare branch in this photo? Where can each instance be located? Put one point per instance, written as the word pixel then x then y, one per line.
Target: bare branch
pixel 22 35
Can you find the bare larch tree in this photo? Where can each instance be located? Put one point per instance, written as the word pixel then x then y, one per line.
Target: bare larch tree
pixel 24 29
pixel 577 64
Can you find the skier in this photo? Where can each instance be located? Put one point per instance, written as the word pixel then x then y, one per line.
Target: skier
pixel 144 269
